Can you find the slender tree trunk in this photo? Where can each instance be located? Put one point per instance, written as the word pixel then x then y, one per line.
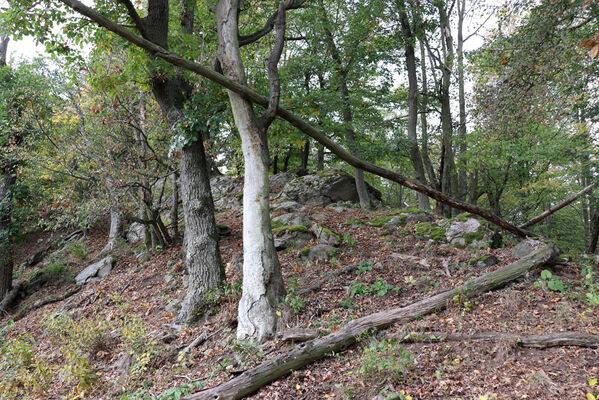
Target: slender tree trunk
pixel 320 158
pixel 462 177
pixel 423 202
pixel 175 206
pixel 594 232
pixel 116 228
pixel 286 160
pixel 275 164
pixel 305 157
pixel 7 180
pixel 263 285
pixel 424 126
pixel 202 256
pixel 3 50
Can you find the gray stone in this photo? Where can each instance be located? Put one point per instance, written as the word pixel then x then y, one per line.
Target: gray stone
pixel 296 239
pixel 325 235
pixel 227 192
pixel 420 217
pixel 394 222
pixel 324 188
pixel 487 261
pixel 319 217
pixel 320 252
pixel 292 219
pixel 522 249
pixel 287 206
pixel 278 181
pixel 99 269
pixel 458 230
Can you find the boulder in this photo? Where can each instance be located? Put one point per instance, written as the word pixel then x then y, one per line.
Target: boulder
pixel 291 219
pixel 227 192
pixel 469 233
pixel 319 252
pixel 325 188
pixel 418 217
pixel 325 235
pixel 487 260
pixel 278 181
pixel 287 206
pixel 96 270
pixel 295 236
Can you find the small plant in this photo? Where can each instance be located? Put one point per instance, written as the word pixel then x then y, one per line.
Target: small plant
pixel 247 349
pixel 385 358
pixel 551 282
pixel 78 249
pixel 57 271
pixel 363 267
pixel 592 289
pixel 380 287
pixel 349 240
pixel 293 299
pixel 158 249
pixel 347 303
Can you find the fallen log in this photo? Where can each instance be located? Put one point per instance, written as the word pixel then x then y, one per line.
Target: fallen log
pixel 303 126
pixel 555 208
pixel 305 353
pixel 45 301
pixel 535 341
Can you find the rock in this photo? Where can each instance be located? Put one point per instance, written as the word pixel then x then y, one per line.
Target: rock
pixel 319 252
pixel 325 235
pixel 223 230
pixel 419 217
pixel 319 217
pixel 135 233
pixel 287 206
pixel 487 260
pixel 522 249
pixel 99 269
pixel 278 181
pixel 227 192
pixel 469 233
pixel 395 221
pixel 406 257
pixel 296 236
pixel 324 188
pixel 291 219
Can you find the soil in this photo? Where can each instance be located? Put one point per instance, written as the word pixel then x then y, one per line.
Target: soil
pixel 137 290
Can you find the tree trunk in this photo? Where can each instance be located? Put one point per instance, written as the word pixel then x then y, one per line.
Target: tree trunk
pixel 275 164
pixel 286 159
pixel 424 124
pixel 263 285
pixel 462 177
pixel 320 158
pixel 202 255
pixel 408 37
pixel 594 232
pixel 175 207
pixel 253 96
pixel 116 229
pixel 305 157
pixel 305 353
pixel 6 247
pixel 3 50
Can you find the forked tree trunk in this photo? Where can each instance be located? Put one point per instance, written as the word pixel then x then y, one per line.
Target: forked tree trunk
pixel 305 353
pixel 263 285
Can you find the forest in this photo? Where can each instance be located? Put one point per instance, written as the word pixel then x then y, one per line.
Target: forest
pixel 299 199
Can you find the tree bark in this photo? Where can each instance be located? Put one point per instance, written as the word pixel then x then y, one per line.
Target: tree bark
pixel 3 50
pixel 408 37
pixel 305 353
pixel 116 229
pixel 305 157
pixel 263 285
pixel 462 177
pixel 424 123
pixel 534 341
pixel 175 206
pixel 253 96
pixel 7 180
pixel 202 255
pixel 320 158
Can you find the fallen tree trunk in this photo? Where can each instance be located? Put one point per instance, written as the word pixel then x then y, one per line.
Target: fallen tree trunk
pixel 287 115
pixel 305 353
pixel 535 341
pixel 48 300
pixel 555 208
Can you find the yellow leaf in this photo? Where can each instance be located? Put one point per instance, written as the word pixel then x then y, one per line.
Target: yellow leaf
pixel 592 381
pixel 297 386
pixel 326 396
pixel 278 313
pixel 590 396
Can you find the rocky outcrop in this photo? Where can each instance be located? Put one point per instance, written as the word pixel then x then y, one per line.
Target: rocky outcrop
pixel 325 188
pixel 96 270
pixel 227 192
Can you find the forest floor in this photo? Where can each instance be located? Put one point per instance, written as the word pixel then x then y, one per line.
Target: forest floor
pixel 125 314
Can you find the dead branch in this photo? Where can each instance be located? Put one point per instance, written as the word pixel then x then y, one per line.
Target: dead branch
pixel 308 352
pixel 48 300
pixel 535 341
pixel 555 208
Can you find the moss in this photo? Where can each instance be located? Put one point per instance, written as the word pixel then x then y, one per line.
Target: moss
pixel 434 231
pixel 413 210
pixel 438 234
pixel 470 237
pixel 463 217
pixel 379 222
pixel 331 233
pixel 305 251
pixel 290 228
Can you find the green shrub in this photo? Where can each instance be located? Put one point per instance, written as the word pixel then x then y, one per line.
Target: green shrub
pixel 385 358
pixel 293 299
pixel 78 249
